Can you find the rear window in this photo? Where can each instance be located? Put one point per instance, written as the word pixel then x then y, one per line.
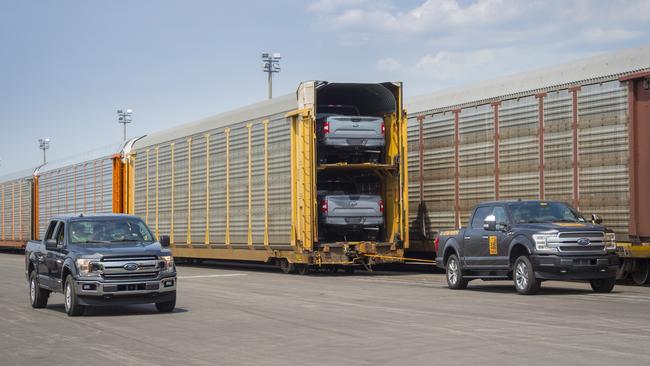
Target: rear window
pixel 331 110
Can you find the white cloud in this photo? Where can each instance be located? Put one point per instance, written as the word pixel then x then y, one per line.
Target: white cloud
pixel 388 64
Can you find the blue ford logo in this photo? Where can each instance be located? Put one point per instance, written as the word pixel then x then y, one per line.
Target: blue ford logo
pixel 583 241
pixel 131 266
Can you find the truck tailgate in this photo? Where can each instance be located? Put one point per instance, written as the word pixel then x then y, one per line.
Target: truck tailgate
pixel 355 129
pixel 354 206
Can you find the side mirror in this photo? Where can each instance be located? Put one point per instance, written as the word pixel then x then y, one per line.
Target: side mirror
pixel 50 244
pixel 164 241
pixel 596 219
pixel 490 223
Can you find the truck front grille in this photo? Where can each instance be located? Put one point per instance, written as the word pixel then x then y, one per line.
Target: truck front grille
pixel 140 268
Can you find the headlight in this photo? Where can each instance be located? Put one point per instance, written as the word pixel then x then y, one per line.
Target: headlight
pixel 609 240
pixel 542 239
pixel 168 263
pixel 86 267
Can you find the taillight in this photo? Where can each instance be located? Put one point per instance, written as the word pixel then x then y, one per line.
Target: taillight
pixel 381 206
pixel 323 206
pixel 383 128
pixel 436 242
pixel 326 127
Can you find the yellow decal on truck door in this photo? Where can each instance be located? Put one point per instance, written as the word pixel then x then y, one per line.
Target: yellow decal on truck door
pixel 493 245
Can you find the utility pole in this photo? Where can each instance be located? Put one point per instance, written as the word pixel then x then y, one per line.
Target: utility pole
pixel 44 144
pixel 124 118
pixel 270 65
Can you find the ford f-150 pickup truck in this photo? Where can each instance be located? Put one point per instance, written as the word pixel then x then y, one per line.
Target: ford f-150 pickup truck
pixel 100 260
pixel 529 242
pixel 345 136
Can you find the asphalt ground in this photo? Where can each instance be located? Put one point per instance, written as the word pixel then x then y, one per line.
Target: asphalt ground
pixel 242 315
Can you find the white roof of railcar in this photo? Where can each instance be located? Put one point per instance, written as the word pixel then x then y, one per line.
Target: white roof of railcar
pixel 22 174
pixel 97 153
pixel 251 112
pixel 595 69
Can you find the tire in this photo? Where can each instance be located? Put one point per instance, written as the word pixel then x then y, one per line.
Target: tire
pixel 604 285
pixel 523 276
pixel 454 274
pixel 167 306
pixel 37 296
pixel 70 298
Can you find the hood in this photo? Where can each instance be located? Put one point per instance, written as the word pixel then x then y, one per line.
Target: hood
pixel 562 226
pixel 118 249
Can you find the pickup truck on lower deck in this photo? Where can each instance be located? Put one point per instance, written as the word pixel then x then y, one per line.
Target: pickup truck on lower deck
pixel 100 260
pixel 529 242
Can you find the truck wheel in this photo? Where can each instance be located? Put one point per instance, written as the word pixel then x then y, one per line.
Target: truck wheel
pixel 37 296
pixel 454 271
pixel 524 277
pixel 71 301
pixel 167 306
pixel 604 285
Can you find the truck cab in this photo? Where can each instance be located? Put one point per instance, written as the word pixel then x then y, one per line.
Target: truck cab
pixel 100 260
pixel 528 242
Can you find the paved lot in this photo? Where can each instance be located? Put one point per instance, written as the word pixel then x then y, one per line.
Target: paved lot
pixel 252 316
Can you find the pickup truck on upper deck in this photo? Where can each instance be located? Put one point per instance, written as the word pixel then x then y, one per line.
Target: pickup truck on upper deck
pixel 100 260
pixel 529 242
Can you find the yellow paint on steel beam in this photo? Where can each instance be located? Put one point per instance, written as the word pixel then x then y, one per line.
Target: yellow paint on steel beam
pixel 95 186
pixel 249 126
pixel 20 210
pixel 171 226
pixel 157 188
pixel 13 208
pixel 207 189
pixel 266 182
pixel 189 191
pixel 146 189
pixel 303 180
pixel 2 187
pixel 227 239
pixel 294 176
pixel 74 188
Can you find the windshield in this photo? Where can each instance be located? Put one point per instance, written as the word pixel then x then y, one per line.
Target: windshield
pixel 109 231
pixel 530 212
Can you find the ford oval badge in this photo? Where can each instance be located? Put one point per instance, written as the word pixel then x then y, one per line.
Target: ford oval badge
pixel 583 241
pixel 131 266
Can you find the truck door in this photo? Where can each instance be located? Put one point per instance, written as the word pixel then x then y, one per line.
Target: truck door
pixel 54 258
pixel 476 253
pixel 44 272
pixel 495 242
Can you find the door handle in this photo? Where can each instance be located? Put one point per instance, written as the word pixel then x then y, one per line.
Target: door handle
pixel 467 238
pixel 485 237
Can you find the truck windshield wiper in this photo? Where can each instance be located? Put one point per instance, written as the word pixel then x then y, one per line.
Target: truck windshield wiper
pixel 92 242
pixel 125 241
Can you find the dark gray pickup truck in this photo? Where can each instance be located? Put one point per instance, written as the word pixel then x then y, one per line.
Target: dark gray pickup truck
pixel 529 242
pixel 100 260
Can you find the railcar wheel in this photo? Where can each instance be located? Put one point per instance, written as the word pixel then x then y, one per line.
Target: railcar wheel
pixel 641 274
pixel 285 266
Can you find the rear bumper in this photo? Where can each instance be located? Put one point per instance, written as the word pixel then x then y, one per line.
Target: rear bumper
pixel 94 292
pixel 351 222
pixel 345 143
pixel 554 267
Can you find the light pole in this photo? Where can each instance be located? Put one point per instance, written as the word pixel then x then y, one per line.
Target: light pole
pixel 270 65
pixel 44 144
pixel 124 118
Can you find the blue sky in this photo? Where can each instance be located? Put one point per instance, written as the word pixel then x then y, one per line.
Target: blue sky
pixel 66 66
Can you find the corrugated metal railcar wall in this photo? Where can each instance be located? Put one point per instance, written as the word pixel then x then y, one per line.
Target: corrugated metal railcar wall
pixel 580 134
pixel 603 154
pixel 218 180
pixel 16 206
pixel 81 188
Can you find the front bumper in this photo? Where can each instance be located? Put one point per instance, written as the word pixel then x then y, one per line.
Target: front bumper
pixel 554 267
pixel 98 292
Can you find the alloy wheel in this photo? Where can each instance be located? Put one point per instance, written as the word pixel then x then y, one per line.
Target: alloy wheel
pixel 521 275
